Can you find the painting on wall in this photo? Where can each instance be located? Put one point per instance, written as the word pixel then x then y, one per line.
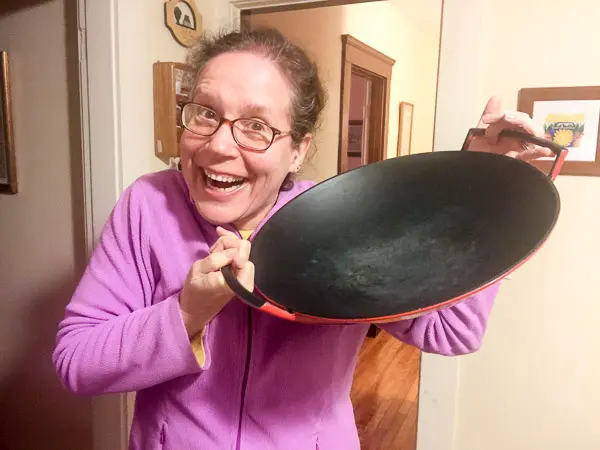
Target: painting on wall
pixel 405 125
pixel 184 21
pixel 570 117
pixel 8 173
pixel 355 137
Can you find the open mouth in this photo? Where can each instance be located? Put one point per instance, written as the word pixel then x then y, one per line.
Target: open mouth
pixel 223 183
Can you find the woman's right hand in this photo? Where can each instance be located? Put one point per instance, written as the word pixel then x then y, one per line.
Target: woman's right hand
pixel 205 291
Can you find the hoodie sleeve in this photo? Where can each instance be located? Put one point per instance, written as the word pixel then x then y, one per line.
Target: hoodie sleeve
pixel 113 338
pixel 455 330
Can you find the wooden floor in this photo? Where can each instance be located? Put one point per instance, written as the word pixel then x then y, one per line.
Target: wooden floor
pixel 384 394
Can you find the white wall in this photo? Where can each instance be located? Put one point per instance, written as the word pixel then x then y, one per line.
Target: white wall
pixel 534 383
pixel 406 31
pixel 42 245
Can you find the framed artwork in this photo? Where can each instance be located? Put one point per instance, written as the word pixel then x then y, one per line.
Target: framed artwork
pixel 8 172
pixel 355 138
pixel 405 125
pixel 571 118
pixel 184 21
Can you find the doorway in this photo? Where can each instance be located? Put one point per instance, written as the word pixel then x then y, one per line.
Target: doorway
pixel 364 106
pixel 358 122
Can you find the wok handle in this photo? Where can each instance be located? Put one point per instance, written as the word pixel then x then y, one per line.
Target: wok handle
pixel 560 151
pixel 244 294
pixel 253 300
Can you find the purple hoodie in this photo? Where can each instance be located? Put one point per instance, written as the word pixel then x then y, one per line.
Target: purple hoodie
pixel 266 383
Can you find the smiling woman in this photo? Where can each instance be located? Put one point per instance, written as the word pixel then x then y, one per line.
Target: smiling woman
pixel 152 312
pixel 272 128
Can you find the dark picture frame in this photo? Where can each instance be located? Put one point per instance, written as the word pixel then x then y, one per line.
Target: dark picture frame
pixel 8 168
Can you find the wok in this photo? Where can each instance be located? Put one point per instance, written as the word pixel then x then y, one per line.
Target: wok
pixel 402 237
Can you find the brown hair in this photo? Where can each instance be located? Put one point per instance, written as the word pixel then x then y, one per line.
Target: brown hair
pixel 308 96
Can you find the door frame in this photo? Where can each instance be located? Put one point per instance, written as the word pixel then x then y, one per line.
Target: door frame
pixel 101 137
pixel 370 63
pixel 100 108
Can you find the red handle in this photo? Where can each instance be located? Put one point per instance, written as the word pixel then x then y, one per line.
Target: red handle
pixel 560 151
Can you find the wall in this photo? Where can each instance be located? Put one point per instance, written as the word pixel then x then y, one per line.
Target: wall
pixel 143 40
pixel 41 231
pixel 406 31
pixel 534 384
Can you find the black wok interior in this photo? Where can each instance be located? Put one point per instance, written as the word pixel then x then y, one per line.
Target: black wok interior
pixel 403 234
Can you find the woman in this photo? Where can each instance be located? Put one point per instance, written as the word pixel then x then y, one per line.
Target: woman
pixel 153 314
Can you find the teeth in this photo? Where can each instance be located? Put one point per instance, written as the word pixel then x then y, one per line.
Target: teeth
pixel 223 178
pixel 227 189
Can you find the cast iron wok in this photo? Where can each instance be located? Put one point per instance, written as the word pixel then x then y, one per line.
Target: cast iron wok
pixel 402 237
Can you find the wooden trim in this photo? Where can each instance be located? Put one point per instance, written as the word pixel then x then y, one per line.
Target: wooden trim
pixel 299 6
pixel 11 187
pixel 437 79
pixel 360 58
pixel 404 109
pixel 354 45
pixel 245 21
pixel 344 113
pixel 167 106
pixel 100 106
pixel 527 98
pixel 378 132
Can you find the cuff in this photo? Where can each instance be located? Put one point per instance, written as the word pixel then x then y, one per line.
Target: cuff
pixel 198 347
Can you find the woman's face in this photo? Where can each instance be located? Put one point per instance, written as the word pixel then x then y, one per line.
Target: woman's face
pixel 228 183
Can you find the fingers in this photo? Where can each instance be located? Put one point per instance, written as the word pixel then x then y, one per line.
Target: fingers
pixel 524 121
pixel 510 122
pixel 492 111
pixel 537 152
pixel 496 120
pixel 223 232
pixel 225 242
pixel 214 281
pixel 246 276
pixel 517 121
pixel 226 239
pixel 238 254
pixel 240 260
pixel 215 261
pixel 228 243
pixel 229 240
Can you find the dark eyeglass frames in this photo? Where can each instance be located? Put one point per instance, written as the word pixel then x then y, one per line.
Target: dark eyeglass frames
pixel 251 134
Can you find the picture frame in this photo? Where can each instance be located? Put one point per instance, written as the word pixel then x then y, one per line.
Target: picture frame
pixel 184 21
pixel 8 168
pixel 570 117
pixel 355 138
pixel 405 127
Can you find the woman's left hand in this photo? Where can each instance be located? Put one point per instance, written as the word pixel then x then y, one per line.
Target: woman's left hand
pixel 495 120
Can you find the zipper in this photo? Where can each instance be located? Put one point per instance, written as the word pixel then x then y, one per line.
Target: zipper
pixel 245 379
pixel 162 435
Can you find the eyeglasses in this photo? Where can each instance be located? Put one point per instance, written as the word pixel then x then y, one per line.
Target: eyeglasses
pixel 248 133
